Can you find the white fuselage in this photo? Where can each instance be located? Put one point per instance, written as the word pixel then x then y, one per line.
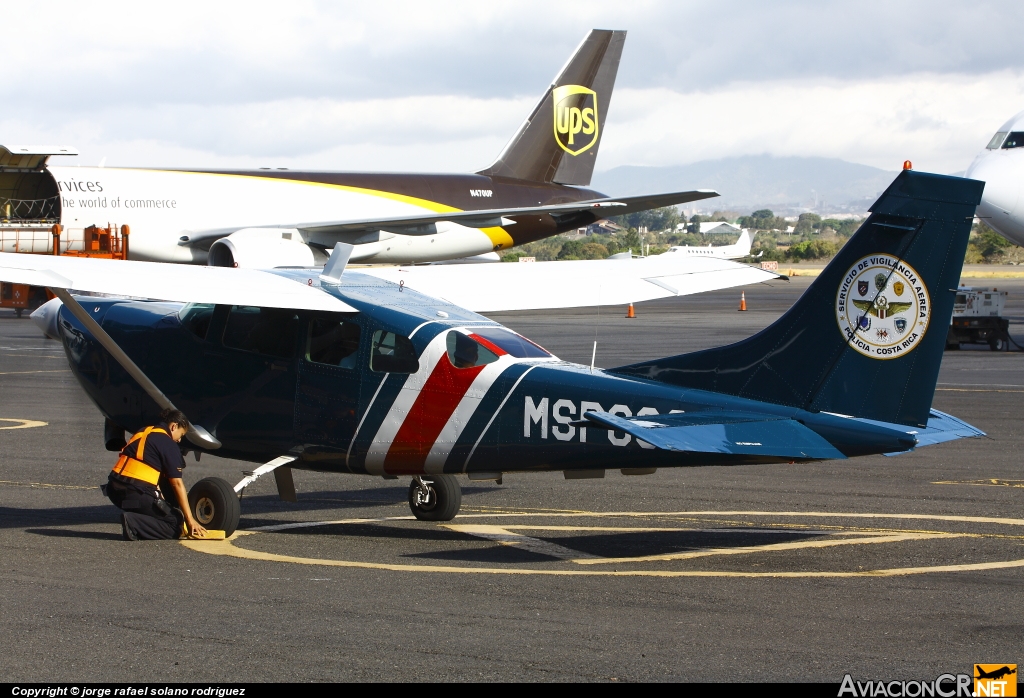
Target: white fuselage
pixel 163 206
pixel 735 251
pixel 1002 170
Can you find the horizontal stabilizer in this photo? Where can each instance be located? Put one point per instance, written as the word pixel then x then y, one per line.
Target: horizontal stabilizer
pixel 723 432
pixel 943 427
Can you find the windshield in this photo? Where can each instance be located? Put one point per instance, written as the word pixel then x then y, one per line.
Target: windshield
pixel 997 140
pixel 1014 140
pixel 196 318
pixel 515 345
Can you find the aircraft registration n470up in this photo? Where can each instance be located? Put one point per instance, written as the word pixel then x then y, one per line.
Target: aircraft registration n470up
pixel 535 188
pixel 391 372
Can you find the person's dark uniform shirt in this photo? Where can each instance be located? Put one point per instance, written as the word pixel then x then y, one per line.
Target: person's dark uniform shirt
pixel 147 513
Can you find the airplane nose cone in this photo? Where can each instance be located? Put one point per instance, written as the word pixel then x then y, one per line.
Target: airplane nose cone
pixel 45 318
pixel 1002 185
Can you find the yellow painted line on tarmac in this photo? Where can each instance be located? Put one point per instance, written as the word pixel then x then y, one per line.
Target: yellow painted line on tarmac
pixel 992 482
pixel 801 514
pixel 226 548
pixel 16 373
pixel 773 547
pixel 23 423
pixel 504 535
pixel 47 485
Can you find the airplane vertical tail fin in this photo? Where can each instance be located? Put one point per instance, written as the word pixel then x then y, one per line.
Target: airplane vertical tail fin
pixel 742 246
pixel 558 142
pixel 866 338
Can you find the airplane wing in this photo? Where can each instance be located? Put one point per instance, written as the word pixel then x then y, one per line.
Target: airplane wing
pixel 169 282
pixel 571 284
pixel 722 432
pixel 426 224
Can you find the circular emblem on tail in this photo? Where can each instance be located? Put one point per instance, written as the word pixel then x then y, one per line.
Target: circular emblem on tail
pixel 883 307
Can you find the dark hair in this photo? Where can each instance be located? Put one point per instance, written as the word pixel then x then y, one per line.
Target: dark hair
pixel 172 416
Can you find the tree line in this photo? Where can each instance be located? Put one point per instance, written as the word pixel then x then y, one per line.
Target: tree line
pixel 812 238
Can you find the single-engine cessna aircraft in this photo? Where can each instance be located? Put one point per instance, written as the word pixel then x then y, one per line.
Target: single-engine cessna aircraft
pixel 268 218
pixel 380 372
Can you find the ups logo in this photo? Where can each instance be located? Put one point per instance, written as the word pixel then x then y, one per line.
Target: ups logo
pixel 576 125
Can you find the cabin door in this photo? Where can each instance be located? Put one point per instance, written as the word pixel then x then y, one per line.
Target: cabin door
pixel 327 397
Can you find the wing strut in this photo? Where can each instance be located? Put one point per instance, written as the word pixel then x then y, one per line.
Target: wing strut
pixel 196 434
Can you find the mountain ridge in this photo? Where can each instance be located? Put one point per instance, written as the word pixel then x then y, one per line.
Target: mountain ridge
pixel 757 181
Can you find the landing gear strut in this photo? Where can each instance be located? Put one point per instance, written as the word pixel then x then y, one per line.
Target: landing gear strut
pixel 435 497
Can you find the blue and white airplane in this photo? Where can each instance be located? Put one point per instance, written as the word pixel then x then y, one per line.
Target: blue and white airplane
pixel 370 372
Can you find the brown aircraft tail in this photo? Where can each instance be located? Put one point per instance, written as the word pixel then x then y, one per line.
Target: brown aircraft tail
pixel 558 142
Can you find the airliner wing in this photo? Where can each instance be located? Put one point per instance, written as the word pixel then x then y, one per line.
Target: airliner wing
pixel 569 284
pixel 585 211
pixel 169 282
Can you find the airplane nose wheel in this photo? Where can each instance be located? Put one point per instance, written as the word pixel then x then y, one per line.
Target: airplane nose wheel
pixel 214 504
pixel 435 497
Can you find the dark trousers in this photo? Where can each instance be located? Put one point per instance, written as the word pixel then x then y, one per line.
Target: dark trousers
pixel 146 515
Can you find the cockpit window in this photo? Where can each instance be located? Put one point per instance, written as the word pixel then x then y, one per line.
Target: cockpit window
pixel 1014 140
pixel 515 345
pixel 268 331
pixel 195 317
pixel 466 352
pixel 997 140
pixel 333 342
pixel 392 353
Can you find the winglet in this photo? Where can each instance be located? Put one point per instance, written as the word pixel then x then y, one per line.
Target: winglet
pixel 335 266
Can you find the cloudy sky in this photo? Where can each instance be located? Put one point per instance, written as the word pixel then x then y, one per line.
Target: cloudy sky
pixel 441 86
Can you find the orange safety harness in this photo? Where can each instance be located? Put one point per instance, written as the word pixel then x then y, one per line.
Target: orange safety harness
pixel 134 467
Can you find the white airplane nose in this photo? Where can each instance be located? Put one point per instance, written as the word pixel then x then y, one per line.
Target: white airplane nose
pixel 1000 206
pixel 45 317
pixel 1002 185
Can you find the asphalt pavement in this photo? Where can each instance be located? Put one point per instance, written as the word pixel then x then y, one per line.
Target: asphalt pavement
pixel 884 568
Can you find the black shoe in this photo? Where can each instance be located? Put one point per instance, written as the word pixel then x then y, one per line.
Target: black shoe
pixel 126 532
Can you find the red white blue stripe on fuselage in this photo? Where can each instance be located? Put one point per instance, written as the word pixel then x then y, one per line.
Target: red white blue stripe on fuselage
pixel 433 409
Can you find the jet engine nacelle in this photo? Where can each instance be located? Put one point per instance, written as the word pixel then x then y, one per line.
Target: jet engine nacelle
pixel 261 248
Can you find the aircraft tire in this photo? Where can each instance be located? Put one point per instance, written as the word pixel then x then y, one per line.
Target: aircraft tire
pixel 444 500
pixel 214 505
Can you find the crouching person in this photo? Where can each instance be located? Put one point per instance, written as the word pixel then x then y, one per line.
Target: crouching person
pixel 146 483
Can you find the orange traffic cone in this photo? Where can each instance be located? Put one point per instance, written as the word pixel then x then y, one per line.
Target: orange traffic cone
pixel 630 313
pixel 743 300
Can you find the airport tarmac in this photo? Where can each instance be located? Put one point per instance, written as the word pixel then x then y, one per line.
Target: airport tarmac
pixel 884 568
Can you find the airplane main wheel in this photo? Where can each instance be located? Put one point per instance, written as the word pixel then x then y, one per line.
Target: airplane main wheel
pixel 438 499
pixel 214 504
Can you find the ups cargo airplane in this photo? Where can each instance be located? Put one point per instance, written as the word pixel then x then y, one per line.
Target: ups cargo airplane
pixel 267 218
pixel 368 371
